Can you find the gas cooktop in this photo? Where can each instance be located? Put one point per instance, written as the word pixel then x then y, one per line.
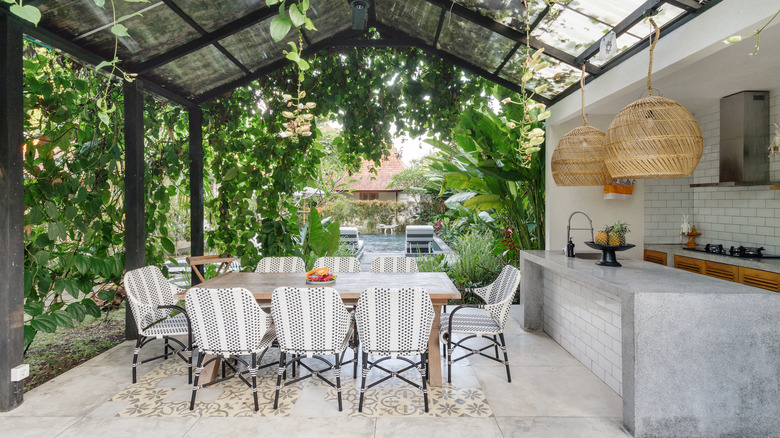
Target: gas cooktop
pixel 734 251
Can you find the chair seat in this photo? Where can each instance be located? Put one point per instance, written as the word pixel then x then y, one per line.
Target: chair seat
pixel 268 338
pixel 471 321
pixel 175 325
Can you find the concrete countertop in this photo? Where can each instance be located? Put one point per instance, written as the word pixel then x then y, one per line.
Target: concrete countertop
pixel 635 276
pixel 771 265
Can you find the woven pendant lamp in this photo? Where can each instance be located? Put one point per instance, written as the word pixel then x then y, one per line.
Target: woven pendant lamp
pixel 654 137
pixel 578 160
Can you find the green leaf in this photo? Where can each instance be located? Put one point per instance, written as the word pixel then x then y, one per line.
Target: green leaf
pixel 296 15
pixel 309 25
pixel 230 174
pixel 458 198
pixel 77 311
pixel 271 2
pixel 56 230
pixel 168 245
pixel 91 308
pixel 71 212
pixel 29 334
pixel 303 64
pixel 33 308
pixel 279 28
pixel 484 202
pixel 105 64
pixel 103 116
pixel 62 318
pixel 51 210
pixel 106 295
pixel 293 56
pixel 35 215
pixel 100 3
pixel 27 12
pixel 119 30
pixel 81 264
pixel 44 323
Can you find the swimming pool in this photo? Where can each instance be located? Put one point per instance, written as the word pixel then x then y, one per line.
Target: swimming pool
pixel 386 243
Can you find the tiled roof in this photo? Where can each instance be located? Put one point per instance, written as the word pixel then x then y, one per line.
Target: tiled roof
pixel 367 181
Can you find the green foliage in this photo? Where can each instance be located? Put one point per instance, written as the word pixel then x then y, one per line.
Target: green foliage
pixel 431 263
pixel 349 211
pixel 476 264
pixel 319 238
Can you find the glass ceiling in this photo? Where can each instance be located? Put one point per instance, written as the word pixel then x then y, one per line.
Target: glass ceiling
pixel 199 48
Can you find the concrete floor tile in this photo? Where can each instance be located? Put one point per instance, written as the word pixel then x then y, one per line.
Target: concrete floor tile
pixel 437 427
pixel 184 393
pixel 34 427
pixel 129 427
pixel 284 427
pixel 560 427
pixel 108 409
pixel 313 403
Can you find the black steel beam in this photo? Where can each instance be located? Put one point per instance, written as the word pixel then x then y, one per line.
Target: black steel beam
pixel 539 19
pixel 12 211
pixel 439 26
pixel 689 5
pixel 508 56
pixel 223 32
pixel 633 18
pixel 196 188
pixel 135 216
pixel 194 24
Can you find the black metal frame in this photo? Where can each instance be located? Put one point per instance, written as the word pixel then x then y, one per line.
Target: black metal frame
pixel 421 366
pixel 281 377
pixel 186 349
pixel 448 352
pixel 251 368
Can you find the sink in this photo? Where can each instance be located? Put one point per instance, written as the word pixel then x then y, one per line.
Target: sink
pixel 588 255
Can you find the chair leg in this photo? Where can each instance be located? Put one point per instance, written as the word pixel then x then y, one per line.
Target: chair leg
pixel 449 358
pixel 279 379
pixel 363 381
pixel 495 346
pixel 198 369
pixel 135 355
pixel 165 350
pixel 424 360
pixel 189 353
pixel 506 358
pixel 253 372
pixel 338 378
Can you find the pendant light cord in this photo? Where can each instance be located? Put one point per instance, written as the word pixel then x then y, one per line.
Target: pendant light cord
pixel 582 87
pixel 652 49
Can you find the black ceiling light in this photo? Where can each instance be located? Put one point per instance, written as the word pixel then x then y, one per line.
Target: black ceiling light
pixel 359 13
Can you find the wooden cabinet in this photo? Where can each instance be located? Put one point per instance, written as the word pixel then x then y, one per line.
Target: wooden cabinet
pixel 689 264
pixel 721 270
pixel 655 257
pixel 762 279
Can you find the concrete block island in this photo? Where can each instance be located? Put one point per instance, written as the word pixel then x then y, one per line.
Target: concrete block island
pixel 691 356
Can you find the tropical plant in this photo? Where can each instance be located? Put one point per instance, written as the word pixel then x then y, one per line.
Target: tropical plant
pixel 476 263
pixel 319 238
pixel 432 263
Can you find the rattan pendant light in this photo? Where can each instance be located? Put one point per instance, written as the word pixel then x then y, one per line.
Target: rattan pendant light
pixel 578 160
pixel 654 137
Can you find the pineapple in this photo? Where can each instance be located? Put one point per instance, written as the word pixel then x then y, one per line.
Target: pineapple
pixel 617 234
pixel 602 237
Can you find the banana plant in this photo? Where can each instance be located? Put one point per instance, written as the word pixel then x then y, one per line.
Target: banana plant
pixel 495 163
pixel 319 238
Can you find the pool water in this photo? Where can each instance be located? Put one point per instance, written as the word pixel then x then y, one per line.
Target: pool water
pixel 386 242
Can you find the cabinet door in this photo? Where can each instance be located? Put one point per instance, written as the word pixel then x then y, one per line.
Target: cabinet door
pixel 757 278
pixel 722 271
pixel 655 257
pixel 689 264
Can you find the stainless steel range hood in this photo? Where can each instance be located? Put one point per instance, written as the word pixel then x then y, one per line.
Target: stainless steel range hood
pixel 744 138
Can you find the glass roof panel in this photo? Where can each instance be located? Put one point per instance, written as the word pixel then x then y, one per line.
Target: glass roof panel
pixel 329 17
pixel 417 18
pixel 473 43
pixel 198 72
pixel 609 12
pixel 559 76
pixel 210 14
pixel 624 42
pixel 508 12
pixel 77 17
pixel 667 14
pixel 568 30
pixel 254 46
pixel 153 32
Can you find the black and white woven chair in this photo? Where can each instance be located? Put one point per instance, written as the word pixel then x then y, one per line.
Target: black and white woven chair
pixel 482 320
pixel 338 264
pixel 310 323
pixel 151 301
pixel 394 264
pixel 281 265
pixel 394 323
pixel 228 323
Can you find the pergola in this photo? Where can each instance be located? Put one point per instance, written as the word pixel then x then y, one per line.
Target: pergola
pixel 191 51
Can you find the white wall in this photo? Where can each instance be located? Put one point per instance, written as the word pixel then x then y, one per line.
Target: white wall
pixel 562 201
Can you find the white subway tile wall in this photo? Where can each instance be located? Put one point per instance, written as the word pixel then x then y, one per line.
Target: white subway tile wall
pixel 728 215
pixel 586 323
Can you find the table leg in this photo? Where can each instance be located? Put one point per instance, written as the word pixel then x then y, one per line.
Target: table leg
pixel 434 353
pixel 210 372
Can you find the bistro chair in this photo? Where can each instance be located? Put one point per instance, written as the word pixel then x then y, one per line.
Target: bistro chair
pixel 338 264
pixel 311 323
pixel 482 320
pixel 270 265
pixel 394 323
pixel 228 323
pixel 152 302
pixel 394 264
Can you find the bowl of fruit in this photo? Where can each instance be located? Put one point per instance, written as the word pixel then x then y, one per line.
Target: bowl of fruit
pixel 320 276
pixel 612 238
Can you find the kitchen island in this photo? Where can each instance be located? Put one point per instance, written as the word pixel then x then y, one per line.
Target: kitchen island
pixel 691 356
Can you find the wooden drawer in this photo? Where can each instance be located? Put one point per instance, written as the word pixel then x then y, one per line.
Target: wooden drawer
pixel 689 264
pixel 757 278
pixel 722 271
pixel 655 257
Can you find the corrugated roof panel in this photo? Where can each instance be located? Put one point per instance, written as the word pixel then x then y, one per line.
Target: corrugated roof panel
pixel 198 72
pixel 416 18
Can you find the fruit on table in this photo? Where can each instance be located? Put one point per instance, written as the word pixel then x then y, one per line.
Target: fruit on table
pixel 617 233
pixel 320 274
pixel 601 237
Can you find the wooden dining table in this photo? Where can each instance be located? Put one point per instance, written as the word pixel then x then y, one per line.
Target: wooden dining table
pixel 349 285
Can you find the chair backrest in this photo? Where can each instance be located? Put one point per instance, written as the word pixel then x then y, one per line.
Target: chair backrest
pixel 501 291
pixel 339 264
pixel 146 289
pixel 281 265
pixel 394 321
pixel 226 321
pixel 309 320
pixel 394 264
